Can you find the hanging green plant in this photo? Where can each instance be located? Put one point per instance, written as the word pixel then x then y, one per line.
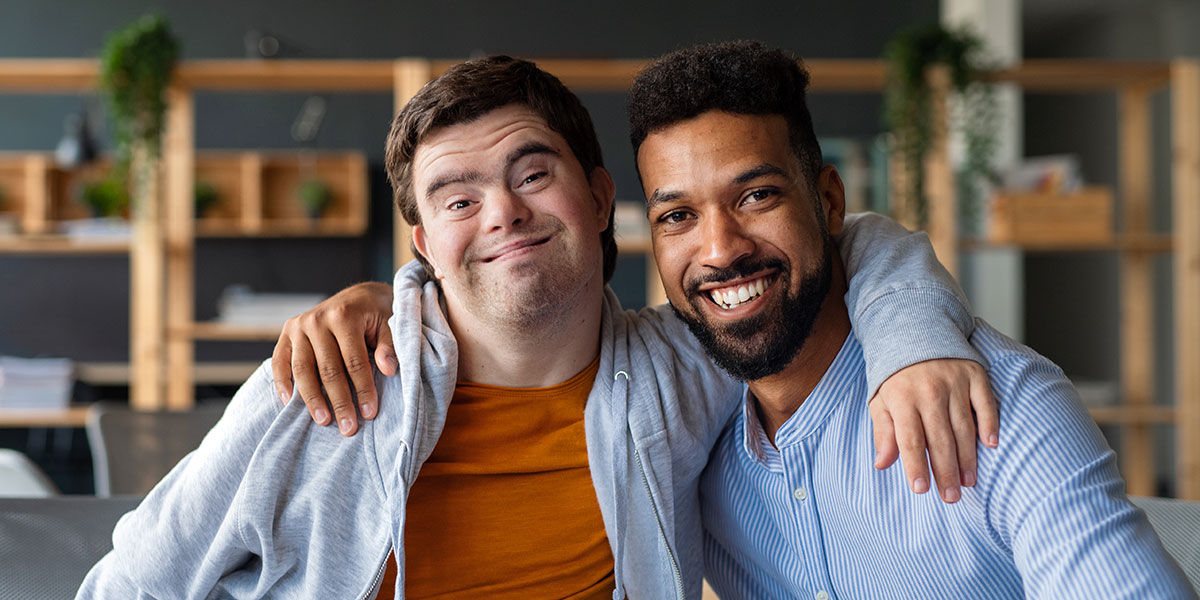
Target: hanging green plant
pixel 908 111
pixel 135 69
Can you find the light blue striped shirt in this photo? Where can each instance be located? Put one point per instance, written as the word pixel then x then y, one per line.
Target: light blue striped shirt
pixel 1048 517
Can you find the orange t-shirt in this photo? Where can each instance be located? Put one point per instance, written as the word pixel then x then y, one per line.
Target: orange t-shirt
pixel 505 507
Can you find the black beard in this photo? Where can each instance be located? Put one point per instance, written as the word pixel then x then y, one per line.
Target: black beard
pixel 766 343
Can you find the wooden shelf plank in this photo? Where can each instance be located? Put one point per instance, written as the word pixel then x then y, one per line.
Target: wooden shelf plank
pixel 48 75
pixel 206 373
pixel 273 75
pixel 59 244
pixel 1133 414
pixel 215 331
pixel 73 416
pixel 1130 243
pixel 1075 75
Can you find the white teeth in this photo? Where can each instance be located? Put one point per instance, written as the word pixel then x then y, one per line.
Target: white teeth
pixel 731 298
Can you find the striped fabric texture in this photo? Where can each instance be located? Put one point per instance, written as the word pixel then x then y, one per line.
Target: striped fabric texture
pixel 812 518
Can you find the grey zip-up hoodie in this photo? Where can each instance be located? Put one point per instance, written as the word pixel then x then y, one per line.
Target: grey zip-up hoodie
pixel 272 505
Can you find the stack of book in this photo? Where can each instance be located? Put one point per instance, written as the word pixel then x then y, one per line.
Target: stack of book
pixel 35 383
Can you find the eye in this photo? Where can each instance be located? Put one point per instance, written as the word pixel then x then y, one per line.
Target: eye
pixel 674 216
pixel 759 195
pixel 458 205
pixel 533 177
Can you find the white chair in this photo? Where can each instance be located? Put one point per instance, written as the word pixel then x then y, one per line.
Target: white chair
pixel 21 478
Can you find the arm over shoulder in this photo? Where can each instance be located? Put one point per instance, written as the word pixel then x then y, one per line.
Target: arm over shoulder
pixel 904 306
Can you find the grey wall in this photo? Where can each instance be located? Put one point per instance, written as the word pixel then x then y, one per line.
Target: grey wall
pixel 77 307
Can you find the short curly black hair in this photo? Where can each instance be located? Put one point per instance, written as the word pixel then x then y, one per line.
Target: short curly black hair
pixel 741 77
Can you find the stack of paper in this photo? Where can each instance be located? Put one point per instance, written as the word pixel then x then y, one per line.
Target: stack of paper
pixel 41 383
pixel 240 306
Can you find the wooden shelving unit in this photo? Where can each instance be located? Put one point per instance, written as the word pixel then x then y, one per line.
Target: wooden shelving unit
pixel 1133 84
pixel 171 383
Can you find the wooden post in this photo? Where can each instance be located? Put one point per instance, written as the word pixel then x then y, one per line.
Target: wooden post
pixel 410 76
pixel 1137 288
pixel 35 215
pixel 179 156
pixel 1185 132
pixel 145 285
pixel 942 207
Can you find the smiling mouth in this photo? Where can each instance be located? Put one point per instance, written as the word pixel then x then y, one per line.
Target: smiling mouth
pixel 734 296
pixel 509 249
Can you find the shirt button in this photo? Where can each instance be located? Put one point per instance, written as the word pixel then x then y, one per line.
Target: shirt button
pixel 821 595
pixel 802 495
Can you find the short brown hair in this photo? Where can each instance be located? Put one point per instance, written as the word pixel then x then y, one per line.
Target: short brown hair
pixel 474 88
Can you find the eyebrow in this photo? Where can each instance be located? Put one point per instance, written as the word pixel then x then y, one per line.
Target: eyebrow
pixel 759 171
pixel 476 177
pixel 763 170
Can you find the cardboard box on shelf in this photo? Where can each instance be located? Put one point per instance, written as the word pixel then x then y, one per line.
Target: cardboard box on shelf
pixel 1082 216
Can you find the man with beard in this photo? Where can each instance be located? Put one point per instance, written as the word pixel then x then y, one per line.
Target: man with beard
pixel 739 198
pixel 559 439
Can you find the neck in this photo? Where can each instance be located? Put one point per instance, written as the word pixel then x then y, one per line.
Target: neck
pixel 522 354
pixel 778 396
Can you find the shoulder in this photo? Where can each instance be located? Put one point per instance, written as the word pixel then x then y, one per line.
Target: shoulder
pixel 1047 437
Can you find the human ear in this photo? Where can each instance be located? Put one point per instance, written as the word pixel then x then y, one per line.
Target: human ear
pixel 421 245
pixel 832 192
pixel 603 192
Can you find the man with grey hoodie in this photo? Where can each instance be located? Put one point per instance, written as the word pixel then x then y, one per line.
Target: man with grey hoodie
pixel 497 168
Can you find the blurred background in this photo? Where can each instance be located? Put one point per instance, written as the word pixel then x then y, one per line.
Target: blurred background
pixel 76 305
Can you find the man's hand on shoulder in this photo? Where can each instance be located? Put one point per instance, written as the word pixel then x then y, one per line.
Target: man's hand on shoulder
pixel 929 406
pixel 324 345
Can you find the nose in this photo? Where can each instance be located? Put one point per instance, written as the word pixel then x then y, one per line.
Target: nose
pixel 504 209
pixel 724 243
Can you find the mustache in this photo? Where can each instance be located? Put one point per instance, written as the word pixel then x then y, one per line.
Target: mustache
pixel 742 268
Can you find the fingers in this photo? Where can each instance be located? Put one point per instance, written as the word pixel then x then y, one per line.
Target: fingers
pixel 886 451
pixel 986 410
pixel 281 363
pixel 385 351
pixel 941 447
pixel 358 366
pixel 963 424
pixel 308 383
pixel 910 437
pixel 332 372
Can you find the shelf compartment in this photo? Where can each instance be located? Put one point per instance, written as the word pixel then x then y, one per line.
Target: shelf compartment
pixel 344 173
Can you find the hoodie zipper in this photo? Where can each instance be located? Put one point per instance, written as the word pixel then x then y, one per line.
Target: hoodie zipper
pixel 373 591
pixel 637 455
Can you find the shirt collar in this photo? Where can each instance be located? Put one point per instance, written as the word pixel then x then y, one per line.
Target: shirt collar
pixel 843 381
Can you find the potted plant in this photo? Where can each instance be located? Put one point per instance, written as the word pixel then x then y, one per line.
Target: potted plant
pixel 105 198
pixel 206 196
pixel 315 196
pixel 135 69
pixel 908 112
